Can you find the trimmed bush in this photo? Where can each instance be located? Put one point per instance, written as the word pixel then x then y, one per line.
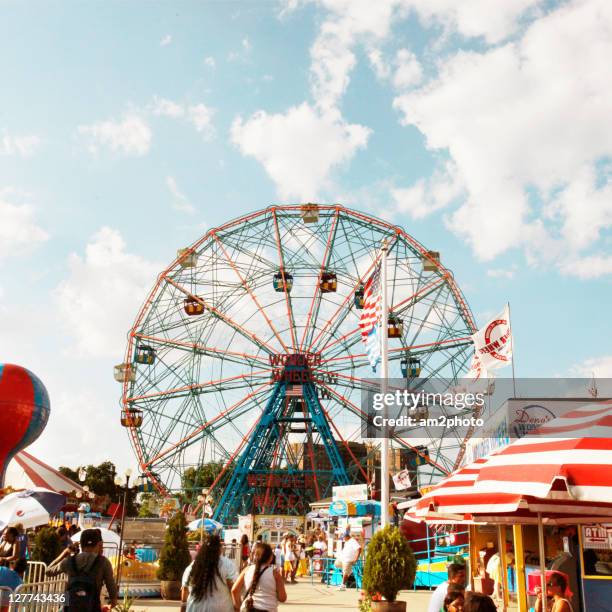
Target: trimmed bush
pixel 47 545
pixel 390 564
pixel 174 556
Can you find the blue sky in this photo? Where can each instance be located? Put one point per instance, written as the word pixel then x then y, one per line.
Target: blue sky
pixel 128 129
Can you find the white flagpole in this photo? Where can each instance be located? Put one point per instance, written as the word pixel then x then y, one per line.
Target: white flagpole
pixel 384 374
pixel 512 348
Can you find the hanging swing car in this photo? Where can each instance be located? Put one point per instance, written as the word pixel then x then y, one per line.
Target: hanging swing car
pixel 358 299
pixel 328 282
pixel 145 355
pixel 395 326
pixel 131 417
pixel 282 281
pixel 193 306
pixel 411 367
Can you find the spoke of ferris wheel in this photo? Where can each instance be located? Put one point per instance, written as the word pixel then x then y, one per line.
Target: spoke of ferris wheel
pixel 343 354
pixel 226 414
pixel 343 309
pixel 202 387
pixel 316 296
pixel 250 292
pixel 236 452
pixel 364 416
pixel 287 296
pixel 208 351
pixel 395 308
pixel 238 328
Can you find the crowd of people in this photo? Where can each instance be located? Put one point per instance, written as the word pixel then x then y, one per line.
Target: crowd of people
pixel 83 562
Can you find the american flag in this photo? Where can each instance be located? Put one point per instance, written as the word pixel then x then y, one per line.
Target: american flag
pixel 370 317
pixel 294 391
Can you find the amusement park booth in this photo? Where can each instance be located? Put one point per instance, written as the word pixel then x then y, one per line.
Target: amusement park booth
pixel 271 527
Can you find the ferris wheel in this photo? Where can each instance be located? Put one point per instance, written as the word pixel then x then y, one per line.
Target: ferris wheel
pixel 248 352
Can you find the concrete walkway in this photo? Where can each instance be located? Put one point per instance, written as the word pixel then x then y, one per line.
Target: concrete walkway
pixel 303 597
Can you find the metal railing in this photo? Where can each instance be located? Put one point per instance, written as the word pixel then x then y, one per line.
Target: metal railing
pixel 47 596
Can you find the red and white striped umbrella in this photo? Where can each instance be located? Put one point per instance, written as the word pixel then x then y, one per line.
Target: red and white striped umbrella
pixel 568 460
pixel 565 480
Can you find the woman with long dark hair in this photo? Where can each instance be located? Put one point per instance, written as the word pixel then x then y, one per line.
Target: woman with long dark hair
pixel 207 582
pixel 263 583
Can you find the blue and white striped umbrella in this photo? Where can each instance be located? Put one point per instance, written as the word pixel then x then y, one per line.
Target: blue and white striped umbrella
pixel 31 508
pixel 207 523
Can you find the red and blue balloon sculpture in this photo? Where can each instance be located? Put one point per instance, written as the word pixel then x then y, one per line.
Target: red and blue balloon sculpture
pixel 24 411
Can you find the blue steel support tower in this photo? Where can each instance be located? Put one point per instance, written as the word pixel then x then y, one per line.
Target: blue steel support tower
pixel 271 476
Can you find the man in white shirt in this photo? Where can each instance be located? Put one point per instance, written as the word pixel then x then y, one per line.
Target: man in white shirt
pixel 455 582
pixel 348 557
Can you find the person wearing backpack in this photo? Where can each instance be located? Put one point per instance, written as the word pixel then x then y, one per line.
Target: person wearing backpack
pixel 87 572
pixel 263 583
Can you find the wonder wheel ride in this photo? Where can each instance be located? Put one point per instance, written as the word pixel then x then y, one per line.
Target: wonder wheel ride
pixel 248 352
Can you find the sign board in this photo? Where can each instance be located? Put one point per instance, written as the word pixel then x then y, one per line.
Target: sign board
pixel 597 537
pixel 357 492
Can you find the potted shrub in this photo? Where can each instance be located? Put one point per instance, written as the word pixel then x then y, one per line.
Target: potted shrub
pixel 174 557
pixel 390 566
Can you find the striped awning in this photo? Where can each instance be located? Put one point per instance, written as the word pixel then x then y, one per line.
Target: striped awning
pixel 569 459
pixel 26 471
pixel 566 480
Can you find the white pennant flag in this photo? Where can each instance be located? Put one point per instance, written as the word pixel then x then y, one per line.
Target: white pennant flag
pixel 493 343
pixel 401 480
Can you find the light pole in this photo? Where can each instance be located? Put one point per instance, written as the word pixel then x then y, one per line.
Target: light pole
pixel 119 483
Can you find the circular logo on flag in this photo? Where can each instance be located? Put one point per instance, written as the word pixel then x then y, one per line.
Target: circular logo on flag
pixel 496 337
pixel 19 513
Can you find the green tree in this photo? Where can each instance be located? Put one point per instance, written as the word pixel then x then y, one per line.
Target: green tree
pixel 149 504
pixel 197 478
pixel 47 545
pixel 174 556
pixel 390 564
pixel 101 480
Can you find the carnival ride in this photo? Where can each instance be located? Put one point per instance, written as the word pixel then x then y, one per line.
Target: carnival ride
pixel 248 351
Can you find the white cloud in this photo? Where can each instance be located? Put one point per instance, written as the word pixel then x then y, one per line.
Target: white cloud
pixel 378 63
pixel 347 23
pixel 501 273
pixel 408 70
pixel 167 108
pixel 404 70
pixel 494 21
pixel 429 195
pixel 199 115
pixel 128 136
pixel 19 232
pixel 243 54
pixel 299 148
pixel 527 117
pixel 100 297
pixel 180 201
pixel 166 40
pixel 601 367
pixel 210 62
pixel 592 266
pixel 19 146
